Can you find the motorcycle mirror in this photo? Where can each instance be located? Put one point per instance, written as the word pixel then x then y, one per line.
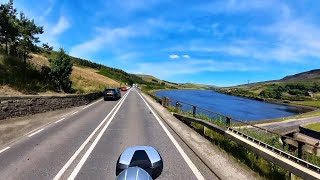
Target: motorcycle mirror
pixel 145 157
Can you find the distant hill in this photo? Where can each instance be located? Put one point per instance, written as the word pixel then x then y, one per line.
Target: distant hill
pixel 150 78
pixel 297 87
pixel 308 75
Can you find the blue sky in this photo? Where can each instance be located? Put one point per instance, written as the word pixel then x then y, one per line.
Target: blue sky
pixel 225 42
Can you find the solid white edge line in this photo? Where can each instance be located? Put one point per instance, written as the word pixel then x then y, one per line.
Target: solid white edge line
pixel 60 120
pixel 91 104
pixel 36 132
pixel 73 157
pixel 194 169
pixel 3 150
pixel 93 145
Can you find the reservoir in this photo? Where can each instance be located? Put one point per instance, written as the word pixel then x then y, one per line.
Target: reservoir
pixel 236 107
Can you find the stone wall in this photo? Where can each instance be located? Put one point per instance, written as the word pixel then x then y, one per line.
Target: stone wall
pixel 16 106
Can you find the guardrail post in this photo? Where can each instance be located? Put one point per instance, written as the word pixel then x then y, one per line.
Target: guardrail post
pixel 300 151
pixel 228 121
pixel 163 102
pixel 168 102
pixel 194 111
pixel 178 106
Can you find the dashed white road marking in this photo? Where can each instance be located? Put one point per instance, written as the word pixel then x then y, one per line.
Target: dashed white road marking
pixel 60 120
pixel 67 114
pixel 74 113
pixel 3 150
pixel 193 168
pixel 91 104
pixel 35 132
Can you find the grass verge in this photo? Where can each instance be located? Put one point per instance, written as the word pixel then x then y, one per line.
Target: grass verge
pixel 307 103
pixel 314 126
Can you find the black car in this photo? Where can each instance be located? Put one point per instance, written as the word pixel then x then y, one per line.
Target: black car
pixel 111 93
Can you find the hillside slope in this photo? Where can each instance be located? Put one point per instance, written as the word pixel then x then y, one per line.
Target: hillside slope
pixel 304 86
pixel 85 79
pixel 150 78
pixel 313 75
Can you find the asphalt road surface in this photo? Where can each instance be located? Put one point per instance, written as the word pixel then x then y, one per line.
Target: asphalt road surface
pixel 86 144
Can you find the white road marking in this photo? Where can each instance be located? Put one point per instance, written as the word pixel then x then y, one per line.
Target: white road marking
pixel 60 120
pixel 36 132
pixel 74 113
pixel 67 114
pixel 91 104
pixel 3 150
pixel 73 157
pixel 93 145
pixel 194 169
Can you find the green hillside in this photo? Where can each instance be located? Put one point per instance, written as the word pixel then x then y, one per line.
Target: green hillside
pixel 174 85
pixel 302 88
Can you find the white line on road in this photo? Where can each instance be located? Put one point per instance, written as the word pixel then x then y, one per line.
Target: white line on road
pixel 73 157
pixel 67 114
pixel 93 145
pixel 194 169
pixel 60 120
pixel 74 113
pixel 3 150
pixel 91 104
pixel 36 132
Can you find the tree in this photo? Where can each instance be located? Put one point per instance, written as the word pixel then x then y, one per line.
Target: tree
pixel 27 36
pixel 9 27
pixel 61 68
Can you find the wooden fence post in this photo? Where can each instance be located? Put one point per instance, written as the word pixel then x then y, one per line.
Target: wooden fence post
pixel 194 111
pixel 163 103
pixel 300 151
pixel 178 106
pixel 228 121
pixel 168 102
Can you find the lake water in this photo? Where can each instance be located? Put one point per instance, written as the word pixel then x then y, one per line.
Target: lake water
pixel 236 107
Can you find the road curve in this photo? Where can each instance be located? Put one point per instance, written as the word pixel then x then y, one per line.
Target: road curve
pixel 86 144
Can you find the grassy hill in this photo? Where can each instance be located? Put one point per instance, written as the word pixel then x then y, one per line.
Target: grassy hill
pixel 16 79
pixel 173 85
pixel 302 88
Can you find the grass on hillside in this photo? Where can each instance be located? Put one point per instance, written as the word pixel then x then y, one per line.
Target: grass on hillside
pixel 307 103
pixel 86 80
pixel 22 77
pixel 17 78
pixel 314 126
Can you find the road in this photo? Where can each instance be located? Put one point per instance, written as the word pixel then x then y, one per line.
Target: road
pixel 289 125
pixel 86 144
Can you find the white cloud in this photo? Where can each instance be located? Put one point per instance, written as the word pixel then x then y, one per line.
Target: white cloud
pixel 53 30
pixel 174 56
pixel 186 56
pixel 239 6
pixel 49 9
pixel 62 25
pixel 112 38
